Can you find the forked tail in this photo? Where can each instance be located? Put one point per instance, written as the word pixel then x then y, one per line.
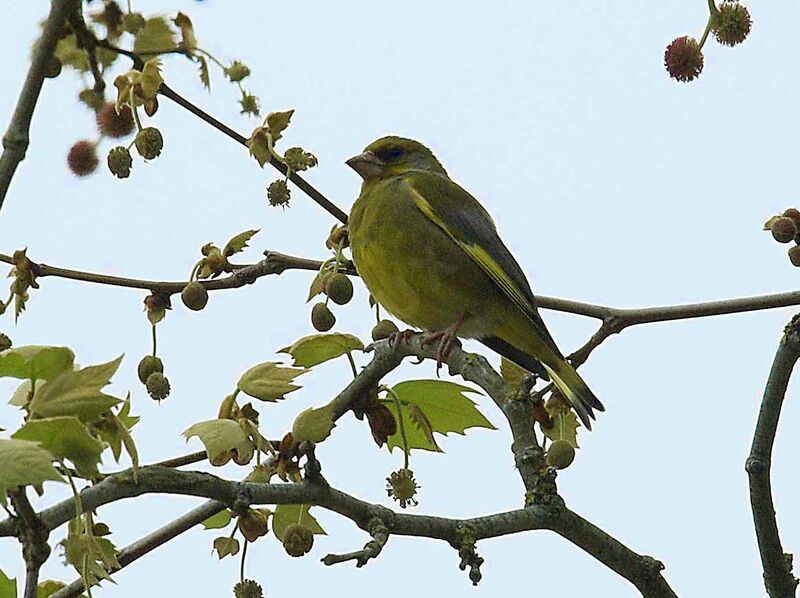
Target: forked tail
pixel 572 386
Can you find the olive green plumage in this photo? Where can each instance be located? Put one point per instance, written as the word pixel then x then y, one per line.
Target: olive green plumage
pixel 430 254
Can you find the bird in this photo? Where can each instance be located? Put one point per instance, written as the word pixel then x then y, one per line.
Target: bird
pixel 430 254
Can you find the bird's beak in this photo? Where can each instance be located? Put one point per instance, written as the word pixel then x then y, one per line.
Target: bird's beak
pixel 367 165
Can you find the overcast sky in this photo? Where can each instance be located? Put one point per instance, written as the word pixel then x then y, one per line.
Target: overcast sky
pixel 610 183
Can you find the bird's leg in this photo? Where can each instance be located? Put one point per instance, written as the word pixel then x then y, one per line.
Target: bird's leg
pixel 447 340
pixel 401 336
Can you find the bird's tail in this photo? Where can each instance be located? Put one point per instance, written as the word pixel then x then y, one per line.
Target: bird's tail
pixel 576 391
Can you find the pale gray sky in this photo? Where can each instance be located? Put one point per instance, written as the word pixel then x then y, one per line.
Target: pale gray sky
pixel 610 183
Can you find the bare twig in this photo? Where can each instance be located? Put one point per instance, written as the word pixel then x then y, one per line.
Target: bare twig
pixel 380 535
pixel 17 137
pixel 778 578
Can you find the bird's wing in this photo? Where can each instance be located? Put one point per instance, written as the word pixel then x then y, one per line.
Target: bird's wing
pixel 465 221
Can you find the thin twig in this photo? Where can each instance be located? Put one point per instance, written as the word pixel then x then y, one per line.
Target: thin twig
pixel 778 578
pixel 17 137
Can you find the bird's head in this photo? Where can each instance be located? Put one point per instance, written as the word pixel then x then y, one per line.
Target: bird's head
pixel 393 156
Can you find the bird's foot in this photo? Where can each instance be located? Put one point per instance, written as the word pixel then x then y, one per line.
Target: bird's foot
pixel 448 338
pixel 401 336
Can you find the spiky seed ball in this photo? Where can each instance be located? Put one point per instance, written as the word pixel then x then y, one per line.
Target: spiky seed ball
pixel 684 59
pixel 91 98
pixel 278 193
pixel 383 329
pixel 194 296
pixel 53 68
pixel 792 213
pixel 149 143
pixel 560 454
pixel 784 229
pixel 249 104
pixel 794 255
pixel 322 318
pixel 5 342
pixel 120 161
pixel 82 158
pixel 297 540
pixel 731 23
pixel 402 487
pixel 112 124
pixel 148 365
pixel 248 588
pixel 157 386
pixel 339 288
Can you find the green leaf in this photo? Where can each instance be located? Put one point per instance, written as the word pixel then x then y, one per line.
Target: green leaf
pixel 313 424
pixel 205 77
pixel 319 348
pixel 565 426
pixel 512 373
pixel 49 587
pixel 65 437
pixel 269 381
pixel 151 79
pixel 226 546
pixel 24 463
pixel 155 37
pixel 218 521
pixel 221 437
pixel 77 393
pixel 446 406
pixel 415 436
pixel 20 396
pixel 114 428
pixel 35 362
pixel 259 145
pixel 90 555
pixel 422 422
pixel 238 243
pixel 318 284
pixel 286 515
pixel 277 123
pixel 8 587
pixel 184 23
pixel 68 52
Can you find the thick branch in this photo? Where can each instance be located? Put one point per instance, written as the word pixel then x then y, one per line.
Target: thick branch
pixel 17 137
pixel 778 578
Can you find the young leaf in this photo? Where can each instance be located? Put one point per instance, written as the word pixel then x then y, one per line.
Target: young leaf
pixel 184 23
pixel 318 284
pixel 77 393
pixel 151 78
pixel 205 77
pixel 47 588
pixel 565 426
pixel 286 515
pixel 238 243
pixel 512 373
pixel 226 546
pixel 93 557
pixel 218 521
pixel 313 424
pixel 269 381
pixel 34 362
pixel 20 396
pixel 259 145
pixel 223 439
pixel 24 463
pixel 155 37
pixel 422 422
pixel 8 587
pixel 277 123
pixel 319 348
pixel 65 437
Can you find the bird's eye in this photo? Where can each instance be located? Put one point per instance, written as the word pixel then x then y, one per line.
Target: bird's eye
pixel 395 152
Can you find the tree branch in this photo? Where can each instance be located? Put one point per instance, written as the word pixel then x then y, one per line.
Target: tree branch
pixel 778 578
pixel 33 535
pixel 150 542
pixel 17 137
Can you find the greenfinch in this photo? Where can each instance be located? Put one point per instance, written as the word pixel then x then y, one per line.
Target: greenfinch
pixel 430 254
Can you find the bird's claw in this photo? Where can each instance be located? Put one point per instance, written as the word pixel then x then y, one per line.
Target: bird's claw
pixel 401 336
pixel 447 338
